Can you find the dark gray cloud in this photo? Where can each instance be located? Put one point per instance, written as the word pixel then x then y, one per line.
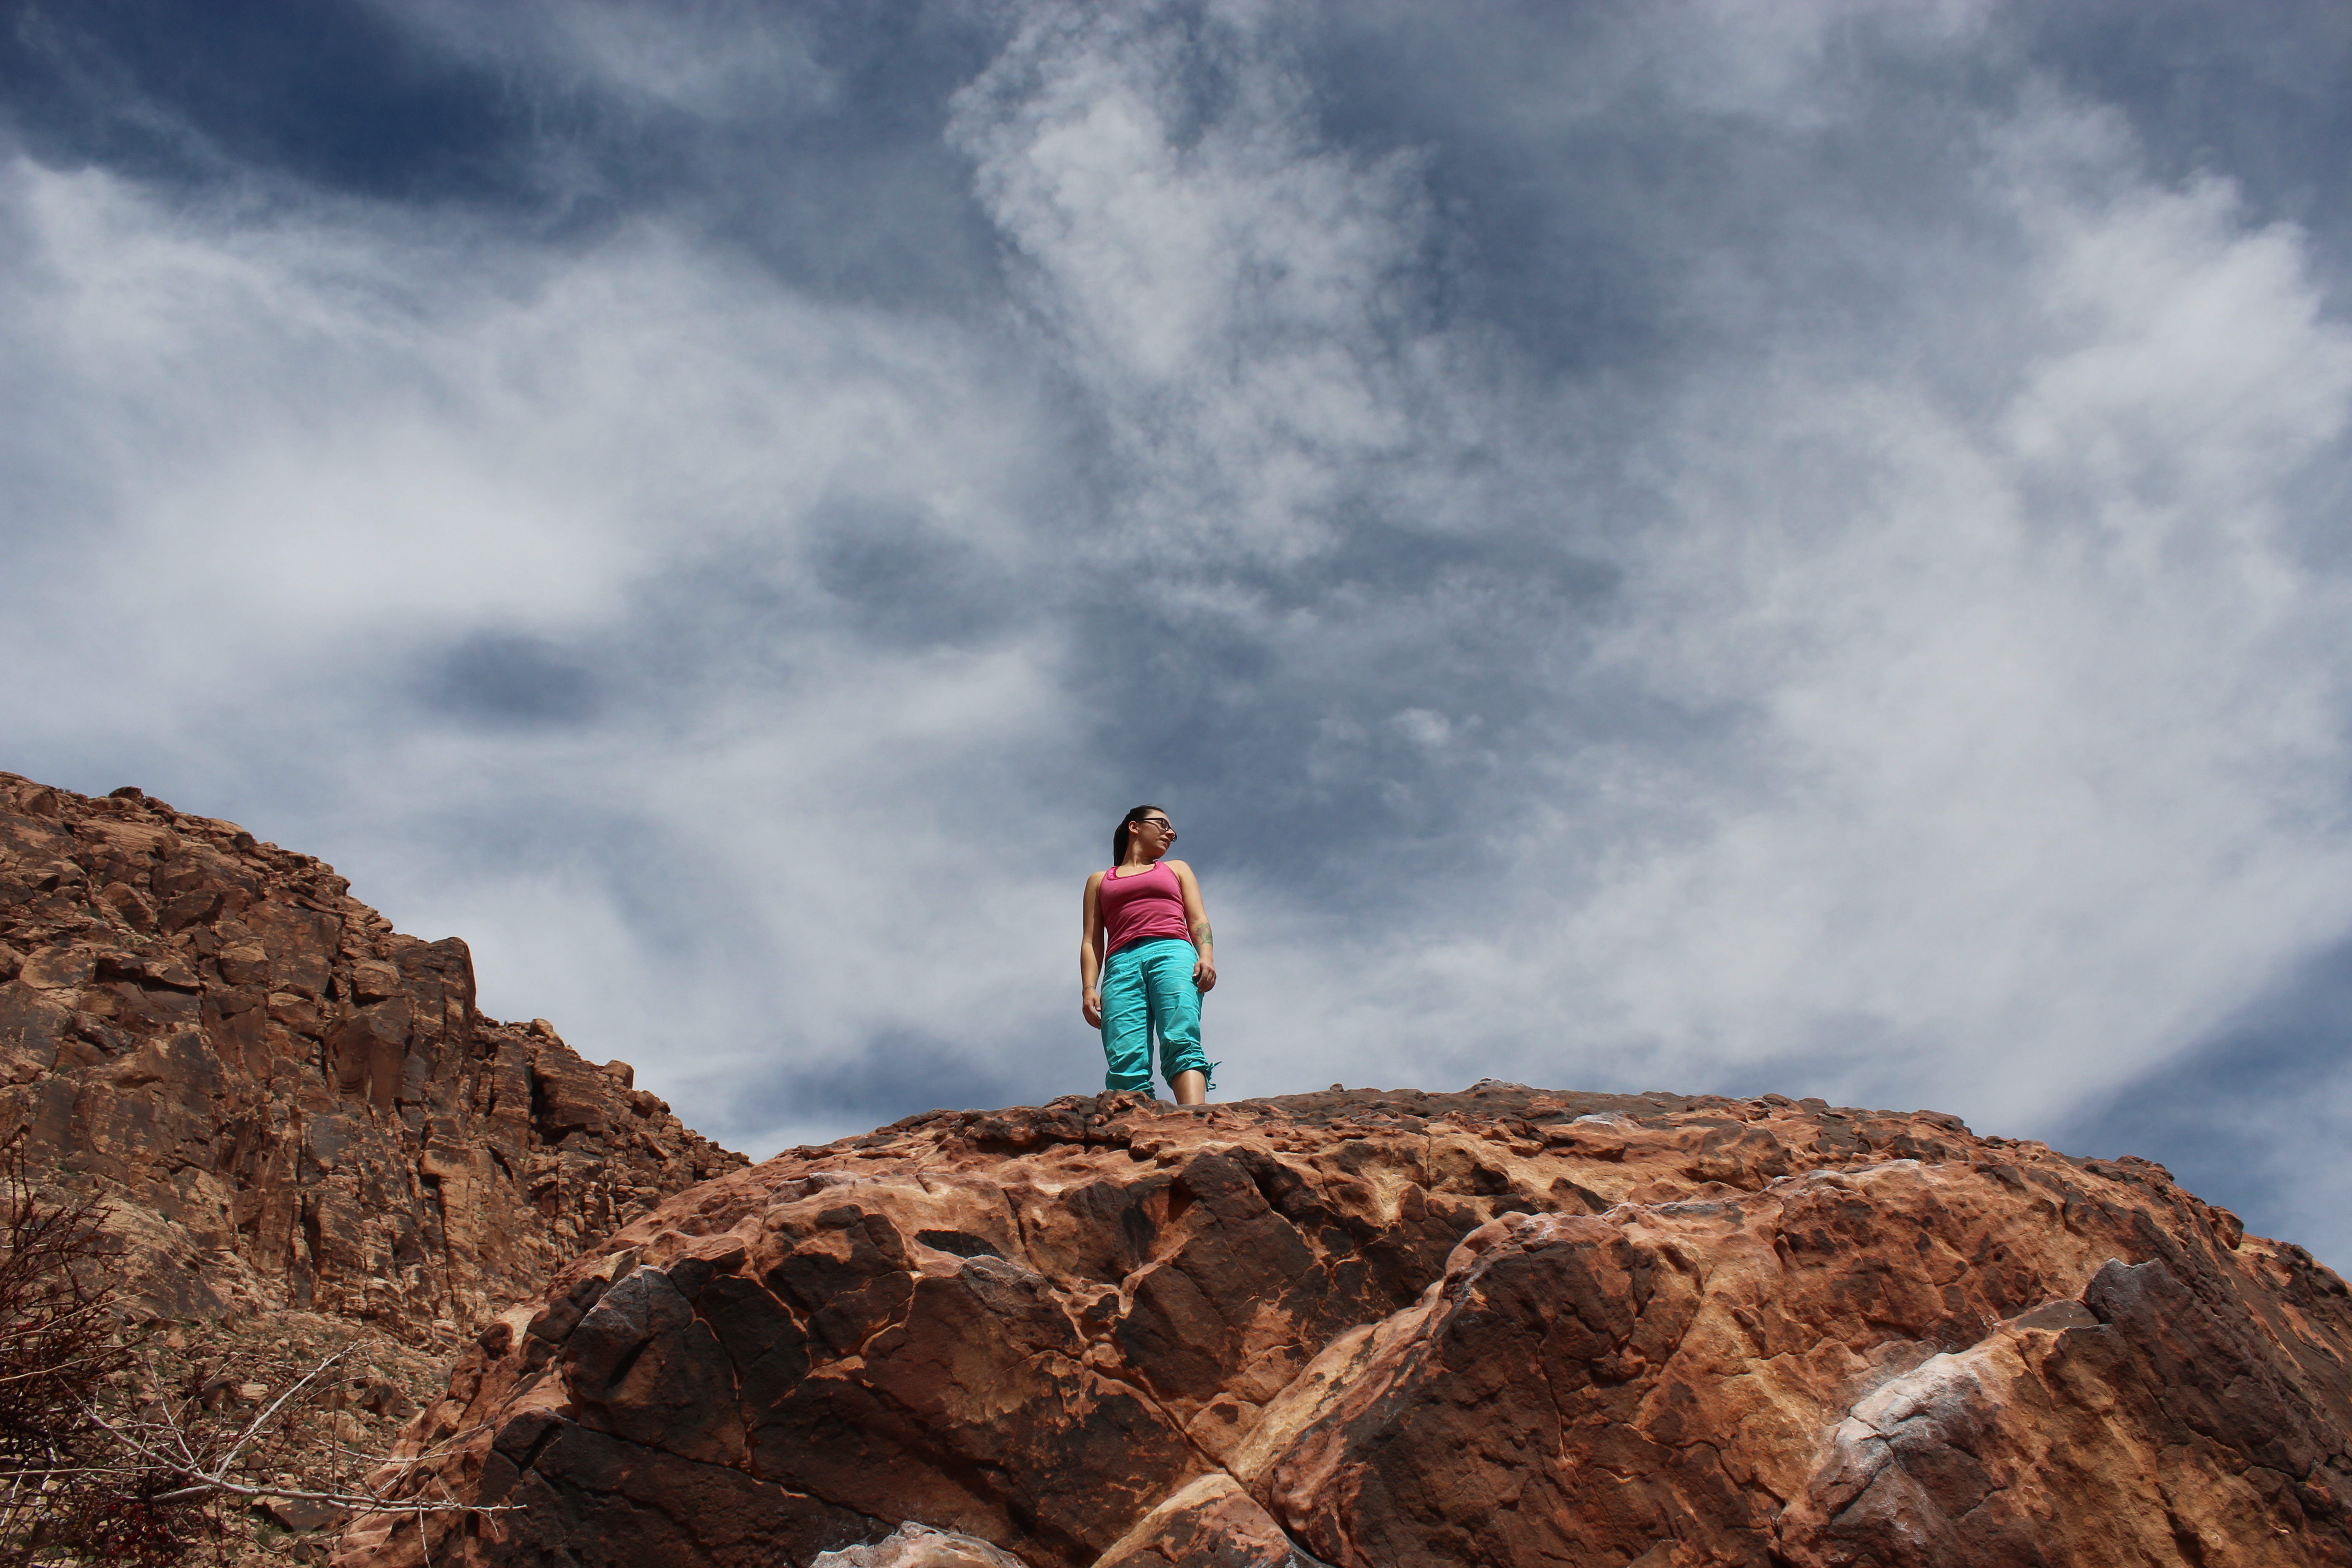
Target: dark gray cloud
pixel 336 94
pixel 900 1074
pixel 2254 1119
pixel 1697 546
pixel 488 678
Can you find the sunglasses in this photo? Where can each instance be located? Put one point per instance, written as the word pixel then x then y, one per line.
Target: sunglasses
pixel 1157 822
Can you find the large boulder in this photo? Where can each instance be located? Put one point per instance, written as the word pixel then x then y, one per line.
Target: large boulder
pixel 1501 1327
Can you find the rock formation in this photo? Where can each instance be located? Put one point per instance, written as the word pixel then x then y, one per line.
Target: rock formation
pixel 1500 1327
pixel 286 1103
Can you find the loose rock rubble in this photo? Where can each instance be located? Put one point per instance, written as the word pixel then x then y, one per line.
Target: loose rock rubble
pixel 1506 1326
pixel 286 1103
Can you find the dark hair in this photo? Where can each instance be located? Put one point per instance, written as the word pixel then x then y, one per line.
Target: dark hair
pixel 1124 831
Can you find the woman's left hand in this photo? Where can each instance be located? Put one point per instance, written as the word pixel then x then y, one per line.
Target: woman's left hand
pixel 1196 920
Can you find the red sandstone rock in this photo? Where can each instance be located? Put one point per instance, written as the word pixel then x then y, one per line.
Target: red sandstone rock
pixel 286 1102
pixel 1363 1329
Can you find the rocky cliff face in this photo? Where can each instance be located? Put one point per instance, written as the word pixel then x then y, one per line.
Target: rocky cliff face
pixel 1504 1327
pixel 288 1103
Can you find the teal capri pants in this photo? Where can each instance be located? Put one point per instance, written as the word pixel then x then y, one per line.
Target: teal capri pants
pixel 1147 989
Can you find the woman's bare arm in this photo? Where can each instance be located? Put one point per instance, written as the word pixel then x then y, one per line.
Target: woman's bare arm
pixel 1090 955
pixel 1196 915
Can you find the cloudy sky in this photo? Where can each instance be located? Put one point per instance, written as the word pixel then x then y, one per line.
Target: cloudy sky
pixel 1722 547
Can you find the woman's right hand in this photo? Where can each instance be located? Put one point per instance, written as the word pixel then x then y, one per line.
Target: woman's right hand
pixel 1090 1004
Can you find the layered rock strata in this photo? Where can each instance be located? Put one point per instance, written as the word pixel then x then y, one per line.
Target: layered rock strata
pixel 1388 1330
pixel 285 1103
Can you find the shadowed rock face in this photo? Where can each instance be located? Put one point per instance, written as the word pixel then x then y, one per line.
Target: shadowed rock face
pixel 286 1102
pixel 1383 1330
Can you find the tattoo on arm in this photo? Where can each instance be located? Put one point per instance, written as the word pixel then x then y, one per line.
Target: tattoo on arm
pixel 1203 934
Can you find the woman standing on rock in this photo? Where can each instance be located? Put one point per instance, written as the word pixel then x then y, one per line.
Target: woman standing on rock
pixel 1145 956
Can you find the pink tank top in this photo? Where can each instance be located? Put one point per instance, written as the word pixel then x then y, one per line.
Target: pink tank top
pixel 1142 907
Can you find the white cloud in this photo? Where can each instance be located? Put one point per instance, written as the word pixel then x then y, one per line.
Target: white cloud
pixel 2044 732
pixel 283 462
pixel 1887 677
pixel 308 418
pixel 1221 288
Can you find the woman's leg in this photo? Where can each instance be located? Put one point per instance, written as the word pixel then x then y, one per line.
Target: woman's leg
pixel 1176 1013
pixel 1126 1023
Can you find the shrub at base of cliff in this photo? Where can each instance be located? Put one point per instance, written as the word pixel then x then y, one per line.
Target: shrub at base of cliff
pixel 60 1348
pixel 218 1445
pixel 142 1448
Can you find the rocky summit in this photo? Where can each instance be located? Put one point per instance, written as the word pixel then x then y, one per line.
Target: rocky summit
pixel 286 1103
pixel 1383 1330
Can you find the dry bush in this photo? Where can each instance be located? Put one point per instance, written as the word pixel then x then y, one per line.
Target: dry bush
pixel 119 1446
pixel 63 1351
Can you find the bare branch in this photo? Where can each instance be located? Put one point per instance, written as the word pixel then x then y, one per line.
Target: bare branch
pixel 259 1421
pixel 366 1502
